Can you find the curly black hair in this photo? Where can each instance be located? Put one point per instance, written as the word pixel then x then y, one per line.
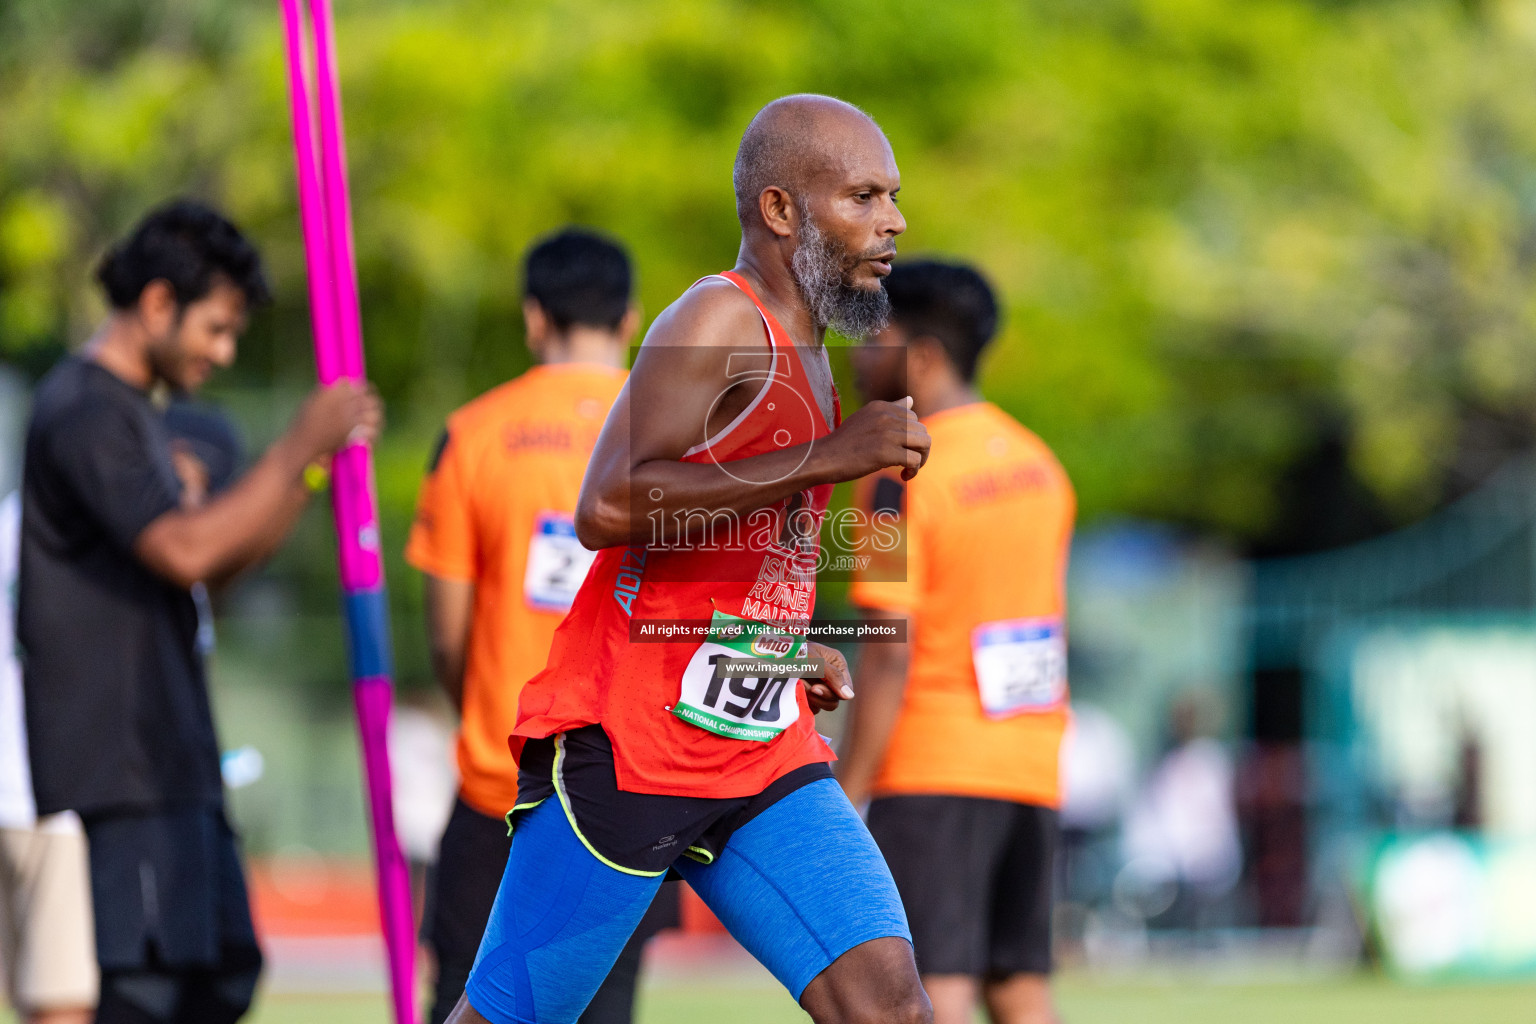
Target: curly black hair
pixel 188 245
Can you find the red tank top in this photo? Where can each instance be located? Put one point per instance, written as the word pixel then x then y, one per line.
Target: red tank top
pixel 599 674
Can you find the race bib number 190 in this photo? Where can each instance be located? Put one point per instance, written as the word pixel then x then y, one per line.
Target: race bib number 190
pixel 557 563
pixel 756 706
pixel 1021 665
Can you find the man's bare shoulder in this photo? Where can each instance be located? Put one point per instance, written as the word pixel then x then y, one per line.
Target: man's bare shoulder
pixel 712 314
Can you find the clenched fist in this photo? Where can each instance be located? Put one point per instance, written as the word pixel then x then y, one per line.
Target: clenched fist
pixel 336 415
pixel 881 435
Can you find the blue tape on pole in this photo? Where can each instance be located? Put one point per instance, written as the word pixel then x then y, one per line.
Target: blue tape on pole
pixel 368 633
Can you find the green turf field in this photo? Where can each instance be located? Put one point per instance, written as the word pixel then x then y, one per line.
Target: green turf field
pixel 1362 1000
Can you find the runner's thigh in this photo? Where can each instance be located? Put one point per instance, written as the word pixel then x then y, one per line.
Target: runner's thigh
pixel 560 921
pixel 801 884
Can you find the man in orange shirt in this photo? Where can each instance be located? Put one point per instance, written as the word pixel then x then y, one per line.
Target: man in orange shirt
pixel 956 734
pixel 496 542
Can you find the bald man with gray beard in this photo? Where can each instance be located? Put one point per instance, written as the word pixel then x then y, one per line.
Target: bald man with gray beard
pixel 636 758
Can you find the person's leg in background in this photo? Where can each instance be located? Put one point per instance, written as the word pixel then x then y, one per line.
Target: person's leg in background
pixel 1021 999
pixel 943 852
pixel 144 996
pixel 46 945
pixel 1018 982
pixel 174 935
pixel 223 994
pixel 472 857
pixel 954 997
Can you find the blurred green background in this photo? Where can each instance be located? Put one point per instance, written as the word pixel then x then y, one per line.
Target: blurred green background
pixel 1267 264
pixel 1267 268
pixel 1240 241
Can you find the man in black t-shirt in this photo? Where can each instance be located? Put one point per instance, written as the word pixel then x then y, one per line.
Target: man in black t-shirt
pixel 118 720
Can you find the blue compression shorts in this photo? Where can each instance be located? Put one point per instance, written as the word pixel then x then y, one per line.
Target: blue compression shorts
pixel 798 885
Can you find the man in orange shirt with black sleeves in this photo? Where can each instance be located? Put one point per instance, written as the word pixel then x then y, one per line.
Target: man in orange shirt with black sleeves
pixel 496 542
pixel 955 738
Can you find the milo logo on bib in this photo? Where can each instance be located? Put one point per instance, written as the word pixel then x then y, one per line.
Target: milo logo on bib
pixel 740 683
pixel 773 645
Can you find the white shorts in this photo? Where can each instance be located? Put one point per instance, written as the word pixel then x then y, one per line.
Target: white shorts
pixel 47 943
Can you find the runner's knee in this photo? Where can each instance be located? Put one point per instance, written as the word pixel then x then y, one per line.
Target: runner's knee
pixel 909 1006
pixel 875 983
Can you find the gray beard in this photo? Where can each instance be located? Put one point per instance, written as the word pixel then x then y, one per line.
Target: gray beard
pixel 818 271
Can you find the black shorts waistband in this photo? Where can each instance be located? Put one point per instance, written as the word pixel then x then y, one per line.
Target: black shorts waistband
pixel 638 833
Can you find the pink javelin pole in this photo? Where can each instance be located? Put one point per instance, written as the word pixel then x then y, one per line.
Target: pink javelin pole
pixel 323 207
pixel 322 296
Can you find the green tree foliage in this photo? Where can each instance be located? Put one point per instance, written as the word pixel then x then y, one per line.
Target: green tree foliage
pixel 1228 232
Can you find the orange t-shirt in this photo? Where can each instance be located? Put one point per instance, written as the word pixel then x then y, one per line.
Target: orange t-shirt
pixel 986 528
pixel 497 510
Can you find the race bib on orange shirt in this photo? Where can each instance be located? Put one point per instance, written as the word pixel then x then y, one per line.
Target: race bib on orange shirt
pixel 1021 665
pixel 557 563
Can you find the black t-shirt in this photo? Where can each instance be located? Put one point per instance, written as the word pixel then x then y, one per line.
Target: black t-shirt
pixel 210 437
pixel 116 697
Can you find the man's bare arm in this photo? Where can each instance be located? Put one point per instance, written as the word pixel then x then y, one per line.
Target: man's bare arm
pixel 250 521
pixel 881 675
pixel 263 545
pixel 450 608
pixel 682 390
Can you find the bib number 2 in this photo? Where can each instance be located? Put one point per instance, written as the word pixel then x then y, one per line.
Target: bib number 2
pixel 1021 665
pixel 557 563
pixel 740 707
